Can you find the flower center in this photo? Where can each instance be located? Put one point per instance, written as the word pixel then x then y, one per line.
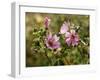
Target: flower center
pixel 50 42
pixel 72 36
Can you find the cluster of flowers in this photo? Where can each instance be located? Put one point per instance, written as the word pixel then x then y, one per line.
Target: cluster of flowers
pixel 71 37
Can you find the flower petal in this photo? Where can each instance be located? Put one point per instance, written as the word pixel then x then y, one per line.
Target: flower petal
pixel 68 41
pixel 64 28
pixel 56 38
pixel 76 38
pixel 74 43
pixel 68 34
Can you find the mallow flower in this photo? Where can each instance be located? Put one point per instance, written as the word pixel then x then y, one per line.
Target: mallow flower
pixel 72 38
pixel 52 41
pixel 47 21
pixel 64 28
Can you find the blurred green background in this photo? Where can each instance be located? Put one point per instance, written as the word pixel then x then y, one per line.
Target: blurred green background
pixel 71 55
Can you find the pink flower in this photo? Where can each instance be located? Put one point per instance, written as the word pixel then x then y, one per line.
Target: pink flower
pixel 52 42
pixel 47 21
pixel 64 28
pixel 72 38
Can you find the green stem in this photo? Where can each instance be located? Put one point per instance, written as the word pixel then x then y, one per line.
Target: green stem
pixel 48 58
pixel 67 60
